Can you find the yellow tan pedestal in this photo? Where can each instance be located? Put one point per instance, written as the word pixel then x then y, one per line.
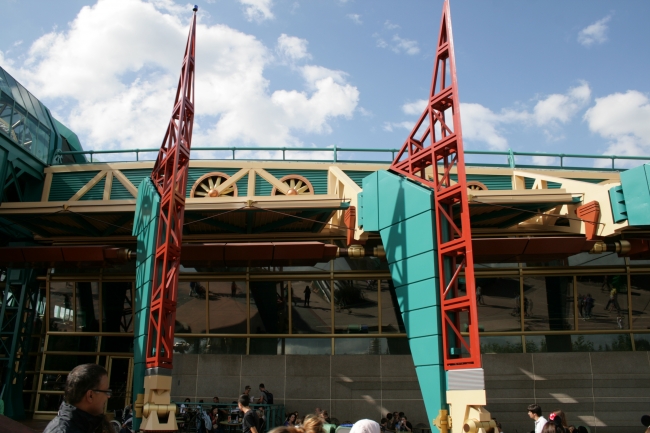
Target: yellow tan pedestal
pixel 157 405
pixel 466 409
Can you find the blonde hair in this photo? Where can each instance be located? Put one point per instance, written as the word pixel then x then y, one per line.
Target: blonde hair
pixel 311 424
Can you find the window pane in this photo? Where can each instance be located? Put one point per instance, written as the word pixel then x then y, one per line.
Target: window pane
pixel 50 402
pixel 307 346
pixel 67 362
pixel 62 343
pixel 312 316
pixel 117 344
pixel 61 313
pixel 266 346
pixel 370 346
pixel 601 343
pixel 190 307
pixel 548 303
pixel 227 304
pixel 501 344
pixel 269 311
pixel 602 302
pixel 87 307
pixel 642 342
pixel 213 345
pixel 640 301
pixel 54 382
pixel 498 304
pixel 391 317
pixel 356 306
pixel 117 306
pixel 536 344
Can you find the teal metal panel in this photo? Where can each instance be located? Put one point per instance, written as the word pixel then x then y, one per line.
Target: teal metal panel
pixel 145 225
pixel 119 192
pixel 370 199
pixel 409 242
pixel 318 178
pixel 636 191
pixel 492 182
pixel 134 176
pixel 96 192
pixel 65 185
pixel 433 384
pixel 422 322
pixel 417 295
pixel 426 350
pixel 400 198
pixel 617 202
pixel 357 176
pixel 529 182
pixel 414 269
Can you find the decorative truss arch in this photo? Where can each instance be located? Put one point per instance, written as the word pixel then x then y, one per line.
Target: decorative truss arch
pixel 296 184
pixel 475 185
pixel 208 186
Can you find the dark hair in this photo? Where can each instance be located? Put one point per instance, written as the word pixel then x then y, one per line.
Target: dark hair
pixel 401 414
pixel 244 400
pixel 187 400
pixel 389 416
pixel 383 420
pixel 535 408
pixel 262 385
pixel 551 427
pixel 82 379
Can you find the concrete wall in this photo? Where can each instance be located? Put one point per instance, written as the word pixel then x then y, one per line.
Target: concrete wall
pixel 348 387
pixel 608 391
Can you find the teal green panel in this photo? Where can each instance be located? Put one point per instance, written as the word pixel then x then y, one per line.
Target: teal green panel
pixel 118 192
pixel 357 176
pixel 262 187
pixel 617 201
pixel 317 178
pixel 96 192
pixel 72 138
pixel 415 268
pixel 370 210
pixel 410 237
pixel 426 350
pixel 65 185
pixel 492 182
pixel 194 173
pixel 433 386
pixel 418 295
pixel 529 182
pixel 134 176
pixel 139 343
pixel 637 195
pixel 553 185
pixel 423 322
pixel 400 198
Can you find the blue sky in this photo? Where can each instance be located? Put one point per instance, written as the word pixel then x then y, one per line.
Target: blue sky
pixel 549 76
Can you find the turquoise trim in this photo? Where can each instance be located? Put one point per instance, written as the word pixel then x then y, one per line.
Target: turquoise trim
pixel 617 202
pixel 635 185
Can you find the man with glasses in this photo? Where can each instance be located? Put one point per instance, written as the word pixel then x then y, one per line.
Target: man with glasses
pixel 86 393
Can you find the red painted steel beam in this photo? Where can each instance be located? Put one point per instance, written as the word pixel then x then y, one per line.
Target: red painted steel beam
pixel 436 143
pixel 170 178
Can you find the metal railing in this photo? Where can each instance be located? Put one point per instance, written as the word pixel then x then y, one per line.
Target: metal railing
pixel 339 154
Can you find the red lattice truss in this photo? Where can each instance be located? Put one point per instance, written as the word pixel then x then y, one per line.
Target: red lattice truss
pixel 170 177
pixel 433 149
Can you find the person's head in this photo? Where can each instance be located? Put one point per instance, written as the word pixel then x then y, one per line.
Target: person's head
pixel 187 400
pixel 551 427
pixel 312 424
pixel 318 411
pixel 292 418
pixel 395 415
pixel 244 401
pixel 247 389
pixel 262 387
pixel 87 388
pixel 383 422
pixel 389 416
pixel 571 428
pixel 215 410
pixel 401 414
pixel 534 411
pixel 325 414
pixel 561 417
pixel 404 419
pixel 215 399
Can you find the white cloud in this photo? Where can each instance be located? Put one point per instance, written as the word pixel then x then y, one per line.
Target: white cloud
pixel 292 47
pixel 595 33
pixel 257 10
pixel 111 76
pixel 391 126
pixel 482 124
pixel 391 26
pixel 408 46
pixel 622 118
pixel 415 108
pixel 356 18
pixel 561 107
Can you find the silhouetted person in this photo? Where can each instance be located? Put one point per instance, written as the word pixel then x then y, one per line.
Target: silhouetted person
pixel 307 293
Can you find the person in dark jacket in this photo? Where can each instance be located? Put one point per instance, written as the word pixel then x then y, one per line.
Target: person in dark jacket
pixel 86 393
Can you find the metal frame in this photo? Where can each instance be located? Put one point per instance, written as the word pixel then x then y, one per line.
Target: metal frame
pixel 169 176
pixel 437 138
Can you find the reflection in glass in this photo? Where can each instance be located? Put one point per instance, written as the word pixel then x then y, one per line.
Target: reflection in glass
pixel 190 307
pixel 61 308
pixel 501 344
pixel 211 345
pixel 356 306
pixel 497 300
pixel 117 306
pixel 536 344
pixel 67 362
pixel 602 302
pixel 87 307
pixel 266 346
pixel 63 343
pixel 50 402
pixel 601 343
pixel 642 342
pixel 360 346
pixel 269 310
pixel 311 312
pixel 227 305
pixel 114 344
pixel 640 301
pixel 548 303
pixel 391 317
pixel 307 346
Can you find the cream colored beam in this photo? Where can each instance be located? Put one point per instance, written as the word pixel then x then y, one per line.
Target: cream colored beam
pixel 282 187
pixel 47 185
pixel 108 185
pixel 87 187
pixel 251 182
pixel 232 179
pixel 126 183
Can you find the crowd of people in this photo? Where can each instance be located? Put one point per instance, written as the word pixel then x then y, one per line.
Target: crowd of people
pixel 556 422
